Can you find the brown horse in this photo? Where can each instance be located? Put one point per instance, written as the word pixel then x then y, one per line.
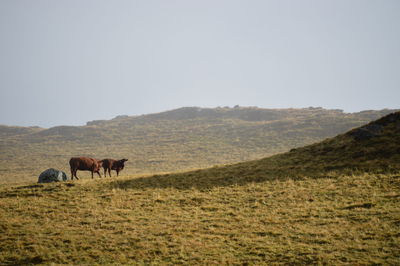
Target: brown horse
pixel 111 164
pixel 84 164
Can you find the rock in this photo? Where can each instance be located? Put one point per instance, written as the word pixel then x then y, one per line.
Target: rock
pixel 367 132
pixel 52 175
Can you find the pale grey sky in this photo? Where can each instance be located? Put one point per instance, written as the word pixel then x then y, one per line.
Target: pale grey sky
pixel 72 61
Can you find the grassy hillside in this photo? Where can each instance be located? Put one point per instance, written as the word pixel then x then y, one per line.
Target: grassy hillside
pixel 12 131
pixel 373 148
pixel 334 202
pixel 184 138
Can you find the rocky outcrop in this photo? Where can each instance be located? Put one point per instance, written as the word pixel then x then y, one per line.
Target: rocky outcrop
pixel 376 128
pixel 367 132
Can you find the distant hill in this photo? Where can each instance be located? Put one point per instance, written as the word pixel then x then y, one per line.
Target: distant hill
pixel 10 131
pixel 373 148
pixel 333 202
pixel 175 140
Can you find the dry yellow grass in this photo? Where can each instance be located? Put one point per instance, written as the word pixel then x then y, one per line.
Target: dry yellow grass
pixel 334 202
pixel 172 141
pixel 342 220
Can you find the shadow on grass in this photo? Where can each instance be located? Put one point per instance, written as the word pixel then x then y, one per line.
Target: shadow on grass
pixel 234 175
pixel 25 261
pixel 34 190
pixel 201 179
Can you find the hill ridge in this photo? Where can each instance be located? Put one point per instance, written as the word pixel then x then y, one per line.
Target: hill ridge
pixel 179 139
pixel 290 208
pixel 345 154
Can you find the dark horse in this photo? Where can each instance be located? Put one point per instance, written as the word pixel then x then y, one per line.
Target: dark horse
pixel 111 164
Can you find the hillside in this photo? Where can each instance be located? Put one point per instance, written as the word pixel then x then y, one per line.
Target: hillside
pixel 333 202
pixel 372 148
pixel 12 131
pixel 175 140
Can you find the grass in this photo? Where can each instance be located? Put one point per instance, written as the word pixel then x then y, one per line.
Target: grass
pixel 182 139
pixel 333 202
pixel 341 220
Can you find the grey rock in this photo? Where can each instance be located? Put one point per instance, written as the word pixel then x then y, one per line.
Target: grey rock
pixel 368 131
pixel 52 175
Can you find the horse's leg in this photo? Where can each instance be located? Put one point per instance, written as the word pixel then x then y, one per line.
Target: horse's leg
pixel 76 175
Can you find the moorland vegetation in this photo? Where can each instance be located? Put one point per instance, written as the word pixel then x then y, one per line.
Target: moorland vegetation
pixel 176 140
pixel 332 202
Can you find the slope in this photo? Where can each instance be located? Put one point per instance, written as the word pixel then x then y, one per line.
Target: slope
pixel 278 210
pixel 175 140
pixel 374 147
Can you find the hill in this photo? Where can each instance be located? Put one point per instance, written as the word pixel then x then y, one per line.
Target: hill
pixel 12 131
pixel 333 202
pixel 175 140
pixel 372 148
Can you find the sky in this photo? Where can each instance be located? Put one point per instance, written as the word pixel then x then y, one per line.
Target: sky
pixel 67 62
